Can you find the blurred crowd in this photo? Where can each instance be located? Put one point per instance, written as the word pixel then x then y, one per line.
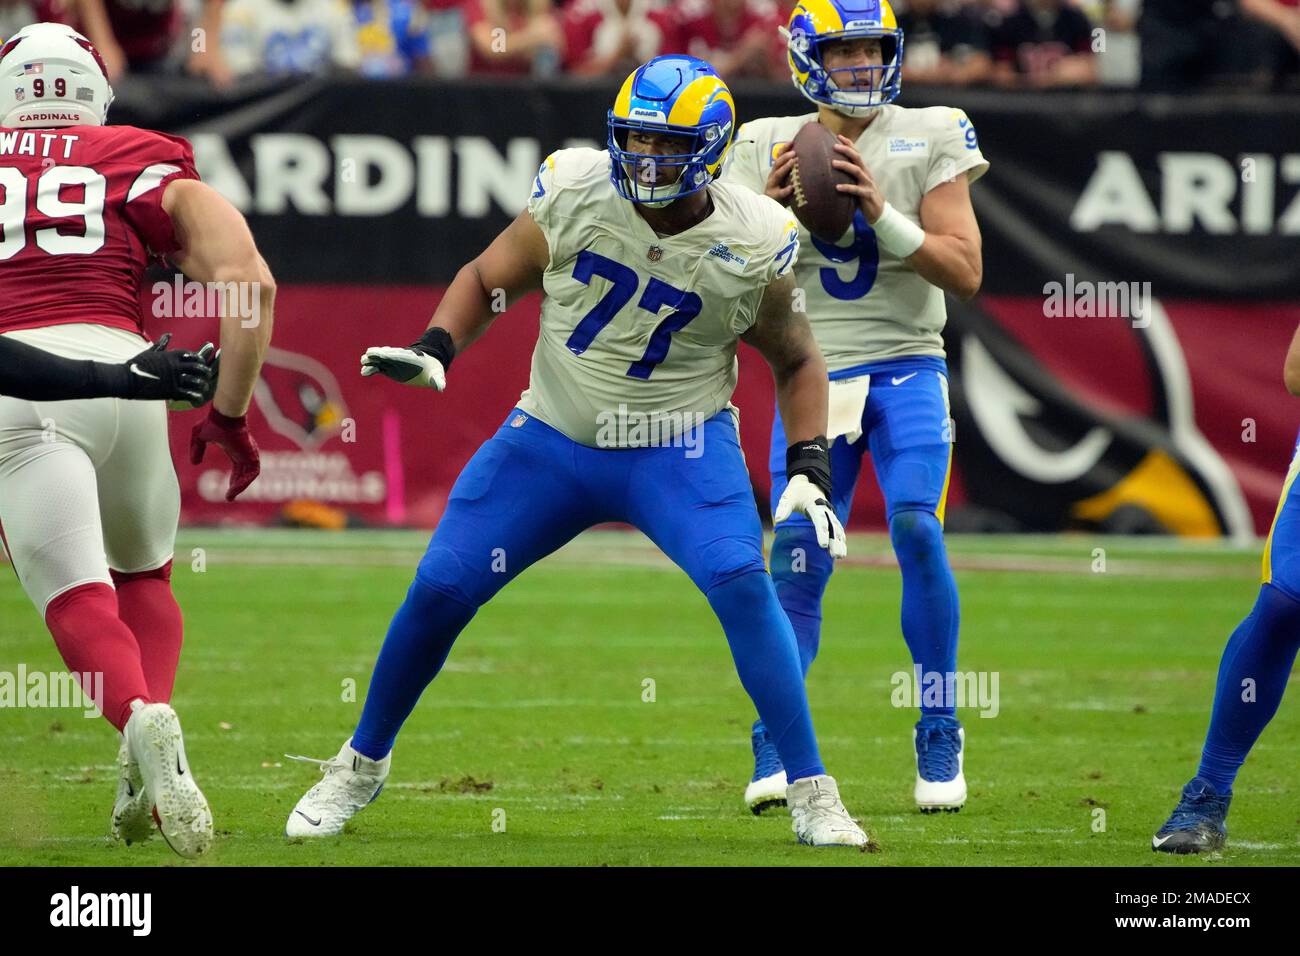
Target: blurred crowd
pixel 1010 44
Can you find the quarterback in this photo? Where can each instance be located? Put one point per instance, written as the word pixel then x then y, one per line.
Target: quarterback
pixel 651 273
pixel 875 299
pixel 1253 673
pixel 88 496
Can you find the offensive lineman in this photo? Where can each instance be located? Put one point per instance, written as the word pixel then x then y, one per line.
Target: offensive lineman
pixel 875 300
pixel 651 273
pixel 89 509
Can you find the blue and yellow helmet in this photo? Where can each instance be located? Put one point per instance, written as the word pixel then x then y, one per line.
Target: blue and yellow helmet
pixel 679 96
pixel 853 91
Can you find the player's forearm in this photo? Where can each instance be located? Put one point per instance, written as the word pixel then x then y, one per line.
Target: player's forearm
pixel 953 263
pixel 803 394
pixel 466 309
pixel 35 375
pixel 244 340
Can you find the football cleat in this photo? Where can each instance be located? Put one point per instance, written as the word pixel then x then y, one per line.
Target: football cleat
pixel 154 742
pixel 1197 824
pixel 767 788
pixel 818 817
pixel 132 812
pixel 940 753
pixel 352 781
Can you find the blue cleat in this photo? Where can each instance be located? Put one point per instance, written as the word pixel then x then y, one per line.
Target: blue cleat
pixel 1197 824
pixel 940 745
pixel 767 788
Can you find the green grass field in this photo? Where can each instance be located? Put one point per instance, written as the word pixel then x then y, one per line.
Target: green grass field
pixel 539 719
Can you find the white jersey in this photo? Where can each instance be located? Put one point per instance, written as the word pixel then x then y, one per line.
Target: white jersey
pixel 909 152
pixel 637 327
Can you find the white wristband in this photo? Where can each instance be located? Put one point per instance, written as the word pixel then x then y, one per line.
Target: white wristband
pixel 896 233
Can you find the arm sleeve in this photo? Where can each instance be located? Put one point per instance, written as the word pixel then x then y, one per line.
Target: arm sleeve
pixel 158 161
pixel 542 202
pixel 956 151
pixel 35 375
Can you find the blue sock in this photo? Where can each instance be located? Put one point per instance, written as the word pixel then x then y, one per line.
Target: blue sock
pixel 418 641
pixel 763 647
pixel 1261 650
pixel 930 614
pixel 800 570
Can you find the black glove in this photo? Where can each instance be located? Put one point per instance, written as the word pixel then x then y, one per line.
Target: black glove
pixel 157 374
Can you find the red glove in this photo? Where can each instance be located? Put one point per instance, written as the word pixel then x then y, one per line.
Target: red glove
pixel 232 436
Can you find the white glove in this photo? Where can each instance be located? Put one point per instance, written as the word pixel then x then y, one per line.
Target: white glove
pixel 803 496
pixel 404 365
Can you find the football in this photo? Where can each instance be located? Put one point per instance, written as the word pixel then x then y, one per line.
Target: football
pixel 825 211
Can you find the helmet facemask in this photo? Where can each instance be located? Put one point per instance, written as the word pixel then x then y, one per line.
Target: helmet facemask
pixel 657 179
pixel 854 90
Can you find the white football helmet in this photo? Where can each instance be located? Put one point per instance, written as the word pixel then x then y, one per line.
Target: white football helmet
pixel 50 75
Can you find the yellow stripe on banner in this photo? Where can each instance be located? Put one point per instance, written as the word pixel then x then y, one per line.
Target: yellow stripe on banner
pixel 1162 487
pixel 943 498
pixel 1266 572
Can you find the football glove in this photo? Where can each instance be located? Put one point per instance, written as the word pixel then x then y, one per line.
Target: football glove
pixel 159 374
pixel 424 363
pixel 232 436
pixel 808 467
pixel 211 356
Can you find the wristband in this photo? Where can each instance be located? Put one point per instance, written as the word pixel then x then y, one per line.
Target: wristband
pixel 896 233
pixel 437 343
pixel 812 459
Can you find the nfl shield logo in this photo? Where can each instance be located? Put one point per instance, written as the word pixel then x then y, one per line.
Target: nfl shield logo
pixel 518 420
pixel 654 254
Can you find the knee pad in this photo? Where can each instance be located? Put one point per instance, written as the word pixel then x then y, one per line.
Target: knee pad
pixel 446 572
pixel 917 536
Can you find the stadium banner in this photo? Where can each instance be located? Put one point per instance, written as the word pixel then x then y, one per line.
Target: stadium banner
pixel 1120 369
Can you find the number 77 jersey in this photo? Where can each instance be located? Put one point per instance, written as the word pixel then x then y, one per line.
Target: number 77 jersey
pixel 80 216
pixel 638 328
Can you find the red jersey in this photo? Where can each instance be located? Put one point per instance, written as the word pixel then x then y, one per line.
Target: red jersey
pixel 81 208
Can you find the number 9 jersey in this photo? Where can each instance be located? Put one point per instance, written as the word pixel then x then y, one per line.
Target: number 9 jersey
pixel 909 152
pixel 637 327
pixel 80 216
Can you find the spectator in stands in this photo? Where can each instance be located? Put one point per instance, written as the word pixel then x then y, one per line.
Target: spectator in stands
pixel 16 14
pixel 289 36
pixel 1041 44
pixel 1276 24
pixel 739 37
pixel 611 37
pixel 1187 44
pixel 392 37
pixel 943 42
pixel 514 37
pixel 150 37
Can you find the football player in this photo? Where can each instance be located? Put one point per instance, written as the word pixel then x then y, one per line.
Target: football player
pixel 88 496
pixel 651 272
pixel 1253 673
pixel 875 298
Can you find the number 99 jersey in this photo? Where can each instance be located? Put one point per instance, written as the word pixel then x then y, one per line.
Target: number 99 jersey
pixel 908 152
pixel 636 327
pixel 80 215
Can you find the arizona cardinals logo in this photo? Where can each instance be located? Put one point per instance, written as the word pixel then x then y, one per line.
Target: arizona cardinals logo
pixel 300 398
pixel 1046 458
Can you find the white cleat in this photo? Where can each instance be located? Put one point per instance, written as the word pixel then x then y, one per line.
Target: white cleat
pixel 819 818
pixel 765 794
pixel 351 782
pixel 942 750
pixel 154 742
pixel 132 812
